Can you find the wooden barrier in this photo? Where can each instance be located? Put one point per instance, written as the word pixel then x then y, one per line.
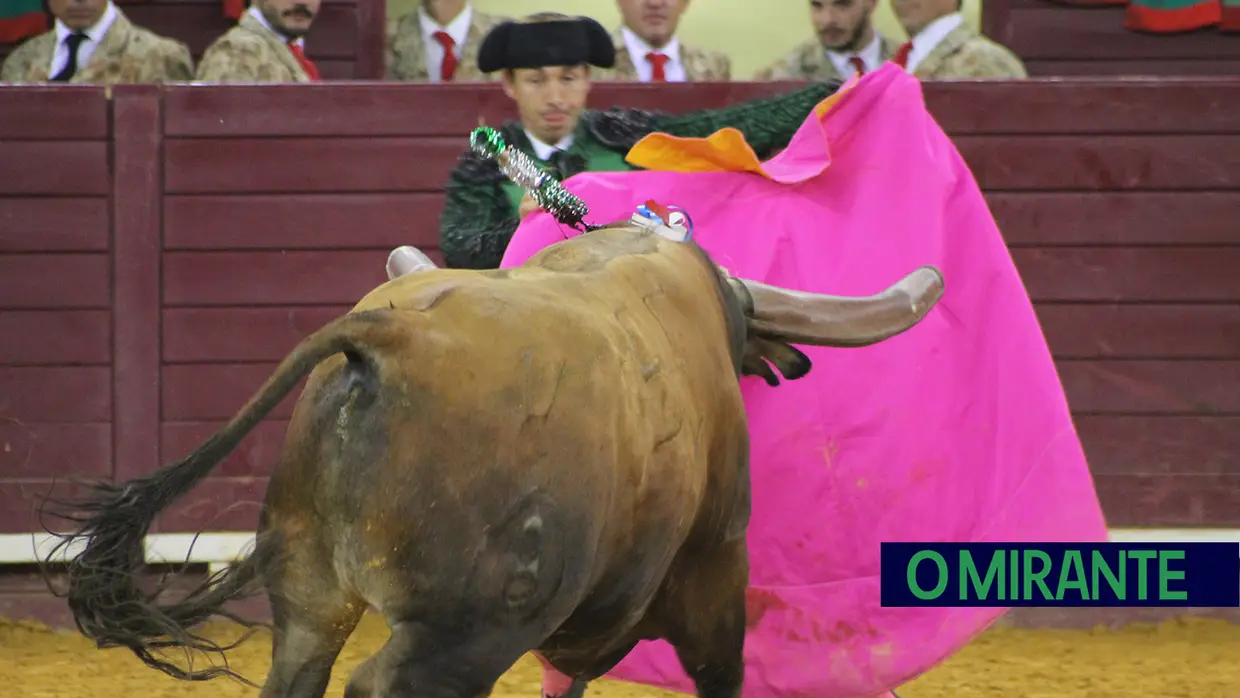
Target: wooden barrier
pixel 56 285
pixel 346 41
pixel 1065 38
pixel 243 217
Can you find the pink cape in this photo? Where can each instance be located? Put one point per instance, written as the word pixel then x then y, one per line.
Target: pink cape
pixel 957 430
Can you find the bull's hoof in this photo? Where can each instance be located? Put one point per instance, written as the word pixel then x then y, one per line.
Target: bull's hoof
pixel 576 690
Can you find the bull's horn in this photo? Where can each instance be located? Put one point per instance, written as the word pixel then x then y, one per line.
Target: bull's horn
pixel 815 319
pixel 407 259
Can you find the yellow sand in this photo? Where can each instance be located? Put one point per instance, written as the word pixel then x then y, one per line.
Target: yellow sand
pixel 1191 658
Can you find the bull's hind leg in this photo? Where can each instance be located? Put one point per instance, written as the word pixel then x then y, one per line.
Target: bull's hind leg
pixel 421 660
pixel 312 618
pixel 306 642
pixel 703 607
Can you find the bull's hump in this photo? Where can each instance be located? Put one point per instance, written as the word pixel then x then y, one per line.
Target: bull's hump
pixel 589 253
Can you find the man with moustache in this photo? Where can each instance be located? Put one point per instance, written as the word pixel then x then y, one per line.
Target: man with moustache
pixel 846 44
pixel 546 61
pixel 267 45
pixel 93 42
pixel 648 50
pixel 944 47
pixel 438 42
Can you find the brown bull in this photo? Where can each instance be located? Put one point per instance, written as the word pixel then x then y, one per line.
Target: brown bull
pixel 552 457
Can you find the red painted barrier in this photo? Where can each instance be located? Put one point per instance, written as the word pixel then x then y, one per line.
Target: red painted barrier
pixel 162 250
pixel 1058 37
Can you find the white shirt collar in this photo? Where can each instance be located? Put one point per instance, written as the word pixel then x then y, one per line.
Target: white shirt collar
pixel 931 36
pixel 258 15
pixel 458 28
pixel 544 151
pixel 95 32
pixel 871 56
pixel 637 47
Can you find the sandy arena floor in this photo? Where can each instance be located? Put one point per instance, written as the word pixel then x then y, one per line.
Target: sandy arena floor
pixel 1185 659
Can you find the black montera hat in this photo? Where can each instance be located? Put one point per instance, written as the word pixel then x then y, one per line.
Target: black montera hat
pixel 534 44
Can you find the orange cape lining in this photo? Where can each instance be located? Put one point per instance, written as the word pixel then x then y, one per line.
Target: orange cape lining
pixel 725 150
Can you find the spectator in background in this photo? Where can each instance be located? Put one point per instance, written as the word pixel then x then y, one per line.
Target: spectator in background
pixel 546 61
pixel 267 45
pixel 846 44
pixel 93 42
pixel 944 47
pixel 438 42
pixel 648 50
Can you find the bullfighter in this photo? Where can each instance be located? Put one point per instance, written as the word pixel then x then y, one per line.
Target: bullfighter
pixel 845 43
pixel 438 42
pixel 267 45
pixel 945 47
pixel 546 61
pixel 648 48
pixel 93 42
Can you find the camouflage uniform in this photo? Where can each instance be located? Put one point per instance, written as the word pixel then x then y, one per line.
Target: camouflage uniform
pixel 406 51
pixel 809 61
pixel 700 65
pixel 480 215
pixel 250 52
pixel 965 54
pixel 127 54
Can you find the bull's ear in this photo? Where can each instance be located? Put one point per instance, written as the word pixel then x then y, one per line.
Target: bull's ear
pixel 789 360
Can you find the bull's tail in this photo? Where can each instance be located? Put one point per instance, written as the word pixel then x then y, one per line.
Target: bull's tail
pixel 107 603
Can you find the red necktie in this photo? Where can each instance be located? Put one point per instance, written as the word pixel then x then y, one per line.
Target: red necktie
pixel 657 61
pixel 306 63
pixel 901 57
pixel 857 64
pixel 448 68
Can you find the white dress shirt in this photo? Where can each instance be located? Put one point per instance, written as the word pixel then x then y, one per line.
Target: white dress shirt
pixel 673 69
pixel 871 56
pixel 543 150
pixel 931 36
pixel 458 29
pixel 94 34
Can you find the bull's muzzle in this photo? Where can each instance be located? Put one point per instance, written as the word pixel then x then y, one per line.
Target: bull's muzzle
pixel 817 319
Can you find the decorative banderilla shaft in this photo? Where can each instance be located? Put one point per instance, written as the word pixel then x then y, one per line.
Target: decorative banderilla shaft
pixel 547 191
